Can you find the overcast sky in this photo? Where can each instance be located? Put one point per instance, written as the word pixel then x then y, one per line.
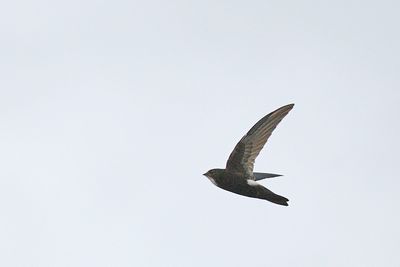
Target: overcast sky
pixel 110 111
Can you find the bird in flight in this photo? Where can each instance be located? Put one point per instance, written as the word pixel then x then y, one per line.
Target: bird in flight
pixel 238 176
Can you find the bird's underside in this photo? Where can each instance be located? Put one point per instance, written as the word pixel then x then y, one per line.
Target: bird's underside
pixel 238 177
pixel 249 188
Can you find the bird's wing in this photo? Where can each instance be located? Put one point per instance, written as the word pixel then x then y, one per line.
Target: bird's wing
pixel 243 156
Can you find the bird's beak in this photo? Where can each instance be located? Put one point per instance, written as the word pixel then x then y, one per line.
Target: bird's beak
pixel 205 174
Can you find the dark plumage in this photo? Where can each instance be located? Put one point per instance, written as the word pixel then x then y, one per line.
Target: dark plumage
pixel 238 176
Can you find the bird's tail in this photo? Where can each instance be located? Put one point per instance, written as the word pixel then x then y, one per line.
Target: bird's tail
pixel 272 197
pixel 277 199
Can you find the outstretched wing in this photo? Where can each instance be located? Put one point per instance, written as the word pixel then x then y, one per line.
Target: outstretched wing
pixel 243 156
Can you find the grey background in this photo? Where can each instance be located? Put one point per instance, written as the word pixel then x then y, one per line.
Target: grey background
pixel 111 110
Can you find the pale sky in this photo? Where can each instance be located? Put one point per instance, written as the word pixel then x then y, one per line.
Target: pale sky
pixel 111 111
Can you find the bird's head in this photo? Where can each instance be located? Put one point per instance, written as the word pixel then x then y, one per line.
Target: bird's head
pixel 213 175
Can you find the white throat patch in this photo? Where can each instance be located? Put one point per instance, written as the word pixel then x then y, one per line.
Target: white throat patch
pixel 212 181
pixel 252 183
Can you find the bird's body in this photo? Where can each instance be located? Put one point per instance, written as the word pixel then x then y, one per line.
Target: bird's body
pixel 238 176
pixel 245 186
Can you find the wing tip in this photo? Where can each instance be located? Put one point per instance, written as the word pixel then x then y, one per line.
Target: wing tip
pixel 284 109
pixel 289 106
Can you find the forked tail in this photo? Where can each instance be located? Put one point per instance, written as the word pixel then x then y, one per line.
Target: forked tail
pixel 267 194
